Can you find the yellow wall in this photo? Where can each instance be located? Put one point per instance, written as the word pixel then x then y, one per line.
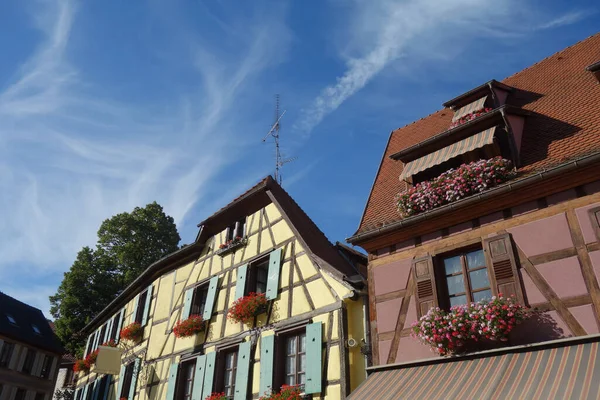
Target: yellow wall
pixel 321 298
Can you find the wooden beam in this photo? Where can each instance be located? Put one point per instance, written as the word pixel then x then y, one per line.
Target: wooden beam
pixel 549 293
pixel 569 302
pixel 553 256
pixel 587 269
pixel 373 318
pixel 401 320
pixel 390 296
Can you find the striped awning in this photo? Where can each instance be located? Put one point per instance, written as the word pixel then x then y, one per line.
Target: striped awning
pixel 474 106
pixel 455 149
pixel 569 372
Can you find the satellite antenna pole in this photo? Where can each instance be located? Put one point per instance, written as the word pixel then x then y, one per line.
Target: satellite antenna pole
pixel 274 131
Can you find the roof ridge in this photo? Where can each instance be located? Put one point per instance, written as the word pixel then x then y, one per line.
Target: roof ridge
pixel 19 301
pixel 550 56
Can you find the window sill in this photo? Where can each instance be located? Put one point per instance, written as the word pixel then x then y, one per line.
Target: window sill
pixel 231 247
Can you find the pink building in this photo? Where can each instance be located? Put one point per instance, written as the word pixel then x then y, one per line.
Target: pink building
pixel 520 217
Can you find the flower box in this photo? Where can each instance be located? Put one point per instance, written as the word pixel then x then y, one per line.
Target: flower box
pixel 231 245
pixel 470 117
pixel 217 396
pixel 246 308
pixel 108 359
pixel 454 185
pixel 287 393
pixel 469 327
pixel 133 332
pixel 189 327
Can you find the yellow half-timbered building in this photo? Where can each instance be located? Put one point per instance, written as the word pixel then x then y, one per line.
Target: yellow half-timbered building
pixel 311 333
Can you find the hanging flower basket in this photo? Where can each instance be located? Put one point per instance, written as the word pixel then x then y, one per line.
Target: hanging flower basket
pixel 460 329
pixel 286 393
pixel 189 327
pixel 81 366
pixel 217 396
pixel 231 245
pixel 132 332
pixel 470 116
pixel 454 185
pixel 246 308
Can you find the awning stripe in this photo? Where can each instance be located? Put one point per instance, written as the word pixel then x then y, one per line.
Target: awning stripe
pixel 456 149
pixel 563 372
pixel 474 106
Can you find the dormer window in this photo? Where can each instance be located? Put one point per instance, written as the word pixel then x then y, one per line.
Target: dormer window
pixel 11 319
pixel 36 329
pixel 236 230
pixel 595 69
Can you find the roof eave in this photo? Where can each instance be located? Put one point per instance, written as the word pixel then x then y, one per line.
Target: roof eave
pixel 595 67
pixel 492 83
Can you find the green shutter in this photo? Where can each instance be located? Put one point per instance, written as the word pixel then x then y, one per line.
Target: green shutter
pixel 267 348
pixel 107 382
pixel 242 372
pixel 187 303
pixel 96 339
pixel 95 389
pixel 120 385
pixel 85 391
pixel 76 394
pixel 135 307
pixel 274 267
pixel 240 285
pixel 314 352
pixel 209 373
pixel 199 377
pixel 210 298
pixel 108 330
pixel 134 378
pixel 172 381
pixel 87 345
pixel 147 306
pixel 119 322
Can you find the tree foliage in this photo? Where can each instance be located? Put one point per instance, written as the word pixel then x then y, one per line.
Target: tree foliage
pixel 127 244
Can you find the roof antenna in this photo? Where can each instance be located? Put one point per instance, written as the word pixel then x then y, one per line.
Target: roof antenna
pixel 274 131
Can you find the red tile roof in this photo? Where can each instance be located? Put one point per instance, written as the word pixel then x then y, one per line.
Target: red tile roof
pixel 564 99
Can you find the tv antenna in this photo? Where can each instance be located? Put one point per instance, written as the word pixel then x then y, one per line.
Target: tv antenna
pixel 274 131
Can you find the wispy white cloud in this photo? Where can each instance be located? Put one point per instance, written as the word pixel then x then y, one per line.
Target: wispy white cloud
pixel 383 32
pixel 71 156
pixel 568 18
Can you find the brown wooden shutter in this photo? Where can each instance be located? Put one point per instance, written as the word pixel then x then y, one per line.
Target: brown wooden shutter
pixel 502 265
pixel 426 292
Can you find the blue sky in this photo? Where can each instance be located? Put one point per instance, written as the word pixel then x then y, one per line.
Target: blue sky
pixel 108 105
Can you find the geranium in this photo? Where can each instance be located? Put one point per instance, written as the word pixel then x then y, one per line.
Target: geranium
pixel 110 343
pixel 470 116
pixel 80 366
pixel 216 396
pixel 132 332
pixel 449 332
pixel 286 393
pixel 455 184
pixel 232 243
pixel 246 308
pixel 189 326
pixel 90 359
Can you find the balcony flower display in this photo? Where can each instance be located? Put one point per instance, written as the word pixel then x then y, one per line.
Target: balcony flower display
pixel 487 320
pixel 286 393
pixel 232 244
pixel 470 116
pixel 188 327
pixel 81 366
pixel 455 184
pixel 246 308
pixel 216 396
pixel 132 332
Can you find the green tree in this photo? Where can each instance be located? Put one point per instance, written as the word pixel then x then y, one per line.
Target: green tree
pixel 127 244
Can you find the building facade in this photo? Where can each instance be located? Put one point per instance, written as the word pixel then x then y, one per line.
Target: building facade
pixel 29 352
pixel 442 230
pixel 65 380
pixel 262 242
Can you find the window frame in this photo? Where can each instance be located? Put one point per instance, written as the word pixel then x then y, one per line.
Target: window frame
pixel 29 360
pixel 251 279
pixel 127 380
pixel 280 359
pixel 11 319
pixel 200 292
pixel 181 379
pixel 46 366
pixel 139 312
pixel 440 275
pixel 22 392
pixel 237 229
pixel 221 368
pixel 4 352
pixel 595 221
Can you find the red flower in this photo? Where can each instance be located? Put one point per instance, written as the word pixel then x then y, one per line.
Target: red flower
pixel 246 308
pixel 80 366
pixel 216 396
pixel 286 393
pixel 188 327
pixel 133 332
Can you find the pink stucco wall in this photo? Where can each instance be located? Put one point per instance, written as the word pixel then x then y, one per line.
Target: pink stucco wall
pixel 564 276
pixel 387 315
pixel 391 277
pixel 543 236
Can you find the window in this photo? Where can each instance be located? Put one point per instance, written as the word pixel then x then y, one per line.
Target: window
pixel 46 366
pixel 69 375
pixel 40 396
pixel 6 354
pixel 227 366
pixel 595 218
pixel 115 327
pixel 36 329
pixel 295 359
pixel 257 278
pixel 185 380
pixel 102 334
pixel 139 313
pixel 127 380
pixel 102 387
pixel 466 278
pixel 236 230
pixel 199 300
pixel 29 360
pixel 20 395
pixel 11 319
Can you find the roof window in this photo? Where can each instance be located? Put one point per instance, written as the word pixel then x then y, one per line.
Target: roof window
pixel 11 319
pixel 36 329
